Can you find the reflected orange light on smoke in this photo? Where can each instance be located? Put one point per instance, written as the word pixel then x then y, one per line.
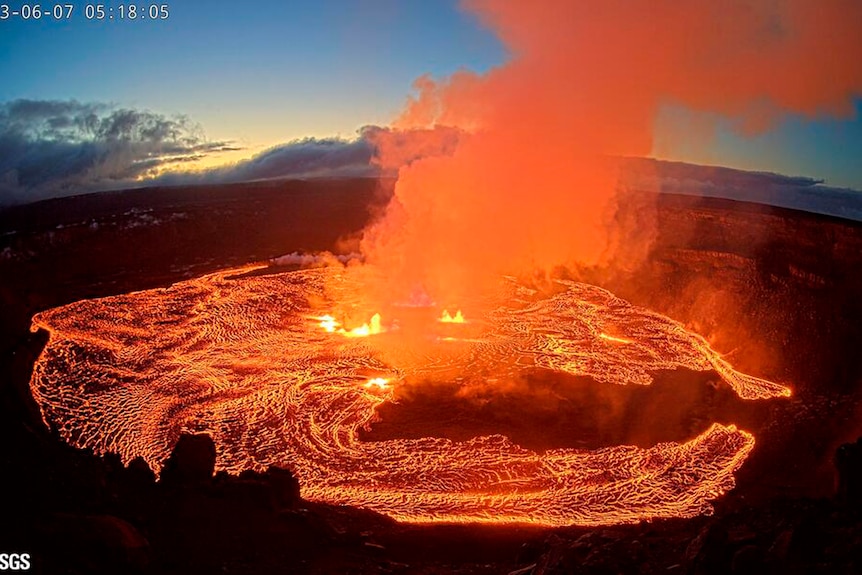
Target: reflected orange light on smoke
pixel 528 183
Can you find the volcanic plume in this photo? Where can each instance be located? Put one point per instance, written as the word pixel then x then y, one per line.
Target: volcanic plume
pixel 530 183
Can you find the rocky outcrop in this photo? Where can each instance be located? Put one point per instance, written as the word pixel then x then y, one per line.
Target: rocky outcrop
pixel 276 489
pixel 191 463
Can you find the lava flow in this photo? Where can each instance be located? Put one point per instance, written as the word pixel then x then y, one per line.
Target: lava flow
pixel 261 363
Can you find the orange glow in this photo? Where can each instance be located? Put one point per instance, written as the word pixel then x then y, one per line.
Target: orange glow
pixel 127 374
pixel 529 183
pixel 378 382
pixel 446 318
pixel 371 328
pixel 328 323
pixel 612 338
pixel 331 325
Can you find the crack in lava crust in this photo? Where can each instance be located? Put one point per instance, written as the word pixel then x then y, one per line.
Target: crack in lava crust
pixel 243 359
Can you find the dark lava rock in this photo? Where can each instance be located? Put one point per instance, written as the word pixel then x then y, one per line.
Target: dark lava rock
pixel 191 463
pixel 249 489
pixel 707 554
pixel 276 489
pixel 96 544
pixel 529 552
pixel 594 553
pixel 528 570
pixel 748 560
pixel 848 464
pixel 779 551
pixel 140 473
pixel 284 488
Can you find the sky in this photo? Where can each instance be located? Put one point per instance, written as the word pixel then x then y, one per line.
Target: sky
pixel 257 74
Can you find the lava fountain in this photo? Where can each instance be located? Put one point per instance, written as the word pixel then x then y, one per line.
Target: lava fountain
pixel 257 362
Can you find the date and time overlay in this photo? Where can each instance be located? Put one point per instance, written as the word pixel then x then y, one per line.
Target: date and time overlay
pixel 142 11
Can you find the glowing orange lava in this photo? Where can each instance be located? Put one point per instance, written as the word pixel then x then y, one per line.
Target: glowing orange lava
pixel 447 318
pixel 331 325
pixel 614 338
pixel 274 381
pixel 378 382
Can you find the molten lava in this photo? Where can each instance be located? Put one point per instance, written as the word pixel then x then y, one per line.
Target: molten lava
pixel 447 318
pixel 378 382
pixel 239 358
pixel 330 325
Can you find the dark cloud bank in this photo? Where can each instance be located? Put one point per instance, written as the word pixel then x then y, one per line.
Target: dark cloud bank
pixel 54 148
pixel 60 148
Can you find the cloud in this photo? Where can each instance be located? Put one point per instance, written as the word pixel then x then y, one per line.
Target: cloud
pixel 310 157
pixel 51 147
pixel 375 151
pixel 54 148
pixel 794 192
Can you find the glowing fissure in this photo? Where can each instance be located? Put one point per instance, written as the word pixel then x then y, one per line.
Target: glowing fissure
pixel 251 362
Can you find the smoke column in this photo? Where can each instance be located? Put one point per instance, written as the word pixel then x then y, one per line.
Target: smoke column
pixel 530 183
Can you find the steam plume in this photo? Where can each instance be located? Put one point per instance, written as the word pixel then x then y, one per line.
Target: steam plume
pixel 530 185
